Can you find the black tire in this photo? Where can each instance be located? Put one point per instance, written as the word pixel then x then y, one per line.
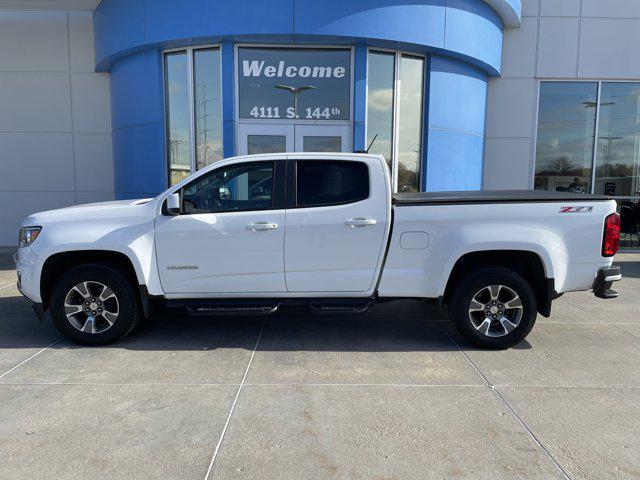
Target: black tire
pixel 473 283
pixel 128 305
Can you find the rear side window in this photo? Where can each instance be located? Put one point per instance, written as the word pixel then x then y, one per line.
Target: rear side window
pixel 326 182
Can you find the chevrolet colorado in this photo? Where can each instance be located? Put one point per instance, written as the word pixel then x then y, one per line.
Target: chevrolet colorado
pixel 247 235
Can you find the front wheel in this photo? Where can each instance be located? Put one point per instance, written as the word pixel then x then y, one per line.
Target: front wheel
pixel 494 308
pixel 94 304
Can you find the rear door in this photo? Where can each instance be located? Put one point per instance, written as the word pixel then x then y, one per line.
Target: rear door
pixel 337 220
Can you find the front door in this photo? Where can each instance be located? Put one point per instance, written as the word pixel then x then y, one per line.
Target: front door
pixel 229 237
pixel 257 138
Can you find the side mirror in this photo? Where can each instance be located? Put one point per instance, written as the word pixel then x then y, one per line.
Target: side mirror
pixel 173 204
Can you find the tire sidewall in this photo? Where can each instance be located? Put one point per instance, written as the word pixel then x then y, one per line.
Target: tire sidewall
pixel 127 303
pixel 483 278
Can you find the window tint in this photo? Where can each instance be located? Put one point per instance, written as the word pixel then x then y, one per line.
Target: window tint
pixel 245 186
pixel 322 182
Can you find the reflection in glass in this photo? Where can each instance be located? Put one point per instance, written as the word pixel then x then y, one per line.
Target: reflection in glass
pixel 630 223
pixel 618 159
pixel 257 144
pixel 208 106
pixel 566 126
pixel 410 123
pixel 238 187
pixel 321 144
pixel 177 92
pixel 380 103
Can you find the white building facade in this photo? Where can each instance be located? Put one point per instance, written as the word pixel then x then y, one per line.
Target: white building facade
pixel 562 106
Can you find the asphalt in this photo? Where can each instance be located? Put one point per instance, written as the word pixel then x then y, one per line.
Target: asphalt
pixel 386 395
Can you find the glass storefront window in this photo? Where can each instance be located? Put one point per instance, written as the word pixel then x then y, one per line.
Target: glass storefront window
pixel 572 117
pixel 380 103
pixel 618 158
pixel 629 211
pixel 410 123
pixel 196 107
pixel 394 113
pixel 178 125
pixel 208 113
pixel 566 126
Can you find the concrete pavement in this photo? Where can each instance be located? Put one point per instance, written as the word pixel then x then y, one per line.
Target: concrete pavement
pixel 381 396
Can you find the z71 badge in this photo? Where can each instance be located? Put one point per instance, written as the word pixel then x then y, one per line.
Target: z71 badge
pixel 580 209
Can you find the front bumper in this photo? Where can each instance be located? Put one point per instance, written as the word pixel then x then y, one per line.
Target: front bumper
pixel 605 280
pixel 26 268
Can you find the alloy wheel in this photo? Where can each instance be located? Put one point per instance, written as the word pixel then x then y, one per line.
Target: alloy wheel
pixel 495 310
pixel 91 307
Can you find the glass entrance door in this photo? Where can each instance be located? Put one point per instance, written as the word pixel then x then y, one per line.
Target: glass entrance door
pixel 260 138
pixel 321 138
pixel 255 139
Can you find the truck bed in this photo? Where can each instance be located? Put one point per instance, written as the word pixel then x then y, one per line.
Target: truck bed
pixel 493 196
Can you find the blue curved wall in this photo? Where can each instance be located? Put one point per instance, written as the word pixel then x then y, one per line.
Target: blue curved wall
pixel 470 29
pixel 463 37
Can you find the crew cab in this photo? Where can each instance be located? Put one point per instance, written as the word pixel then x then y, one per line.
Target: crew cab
pixel 250 234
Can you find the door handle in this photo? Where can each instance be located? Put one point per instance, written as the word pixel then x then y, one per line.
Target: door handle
pixel 260 226
pixel 360 222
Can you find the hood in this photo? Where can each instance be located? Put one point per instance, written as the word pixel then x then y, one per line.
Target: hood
pixel 95 211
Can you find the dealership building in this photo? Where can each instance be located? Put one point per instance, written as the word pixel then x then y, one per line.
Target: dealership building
pixel 122 98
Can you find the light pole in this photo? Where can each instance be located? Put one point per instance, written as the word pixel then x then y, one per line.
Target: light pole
pixel 295 92
pixel 608 153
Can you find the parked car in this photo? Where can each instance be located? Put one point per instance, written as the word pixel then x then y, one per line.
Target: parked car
pixel 248 235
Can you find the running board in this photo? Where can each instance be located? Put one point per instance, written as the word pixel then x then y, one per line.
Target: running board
pixel 228 309
pixel 331 307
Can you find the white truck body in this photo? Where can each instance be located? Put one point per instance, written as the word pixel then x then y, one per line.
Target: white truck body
pixel 383 246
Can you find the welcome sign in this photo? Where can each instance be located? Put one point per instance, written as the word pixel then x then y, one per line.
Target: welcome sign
pixel 294 83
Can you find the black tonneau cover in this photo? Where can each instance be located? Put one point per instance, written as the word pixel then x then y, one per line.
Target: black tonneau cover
pixel 493 196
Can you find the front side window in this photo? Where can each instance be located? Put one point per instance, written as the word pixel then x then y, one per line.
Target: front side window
pixel 322 182
pixel 193 94
pixel 394 114
pixel 239 187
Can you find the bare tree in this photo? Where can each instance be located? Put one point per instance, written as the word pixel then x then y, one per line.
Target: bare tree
pixel 561 165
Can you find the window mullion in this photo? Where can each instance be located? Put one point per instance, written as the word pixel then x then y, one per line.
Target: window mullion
pixel 596 134
pixel 395 127
pixel 192 110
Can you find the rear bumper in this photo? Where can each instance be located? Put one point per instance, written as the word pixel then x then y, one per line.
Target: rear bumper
pixel 605 280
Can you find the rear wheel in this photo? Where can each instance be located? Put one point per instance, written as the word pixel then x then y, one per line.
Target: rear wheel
pixel 494 308
pixel 94 304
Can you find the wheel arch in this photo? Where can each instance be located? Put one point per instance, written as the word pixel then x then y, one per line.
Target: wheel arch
pixel 528 264
pixel 59 263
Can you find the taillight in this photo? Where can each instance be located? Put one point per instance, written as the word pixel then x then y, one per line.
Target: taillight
pixel 611 240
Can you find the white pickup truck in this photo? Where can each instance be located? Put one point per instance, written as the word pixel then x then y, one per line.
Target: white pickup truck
pixel 247 235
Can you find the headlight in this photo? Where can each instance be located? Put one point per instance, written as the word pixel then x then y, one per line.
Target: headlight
pixel 28 235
